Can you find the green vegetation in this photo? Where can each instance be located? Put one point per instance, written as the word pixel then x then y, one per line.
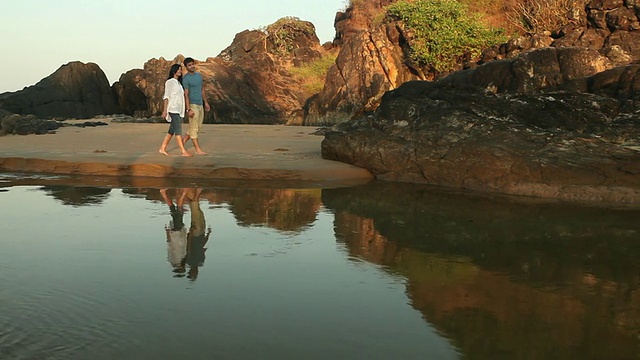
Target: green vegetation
pixel 283 32
pixel 313 74
pixel 444 31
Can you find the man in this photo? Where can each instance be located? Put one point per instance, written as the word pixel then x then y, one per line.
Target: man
pixel 194 100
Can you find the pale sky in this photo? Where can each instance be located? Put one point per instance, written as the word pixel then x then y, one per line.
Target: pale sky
pixel 39 36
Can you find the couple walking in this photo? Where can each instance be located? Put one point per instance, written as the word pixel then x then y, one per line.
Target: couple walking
pixel 184 94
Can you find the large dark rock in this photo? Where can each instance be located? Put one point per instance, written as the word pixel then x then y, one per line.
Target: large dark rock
pixel 129 93
pixel 75 90
pixel 561 145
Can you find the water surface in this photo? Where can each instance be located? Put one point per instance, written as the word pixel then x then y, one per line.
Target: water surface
pixel 380 271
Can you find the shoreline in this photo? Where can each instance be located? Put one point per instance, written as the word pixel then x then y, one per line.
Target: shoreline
pixel 243 152
pixel 258 154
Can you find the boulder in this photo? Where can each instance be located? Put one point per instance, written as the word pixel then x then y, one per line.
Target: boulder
pixel 75 90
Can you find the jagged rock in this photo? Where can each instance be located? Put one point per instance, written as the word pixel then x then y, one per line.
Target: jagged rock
pixel 356 19
pixel 266 59
pixel 24 125
pixel 139 92
pixel 367 66
pixel 620 83
pixel 561 145
pixel 534 70
pixel 87 124
pixel 605 31
pixel 129 92
pixel 75 90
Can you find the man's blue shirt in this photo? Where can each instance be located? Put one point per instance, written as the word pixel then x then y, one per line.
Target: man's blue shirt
pixel 193 83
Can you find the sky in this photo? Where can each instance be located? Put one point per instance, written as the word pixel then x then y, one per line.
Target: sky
pixel 39 36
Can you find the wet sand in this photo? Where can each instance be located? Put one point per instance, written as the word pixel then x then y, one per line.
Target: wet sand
pixel 234 152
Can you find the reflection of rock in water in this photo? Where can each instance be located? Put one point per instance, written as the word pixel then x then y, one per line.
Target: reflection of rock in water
pixel 281 209
pixel 501 278
pixel 77 196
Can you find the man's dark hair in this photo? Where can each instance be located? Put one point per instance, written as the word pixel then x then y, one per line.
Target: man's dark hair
pixel 188 61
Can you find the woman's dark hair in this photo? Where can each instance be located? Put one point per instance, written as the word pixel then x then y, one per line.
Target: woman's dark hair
pixel 173 71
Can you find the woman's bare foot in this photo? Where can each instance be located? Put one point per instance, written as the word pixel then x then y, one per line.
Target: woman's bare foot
pixel 201 152
pixel 187 154
pixel 163 152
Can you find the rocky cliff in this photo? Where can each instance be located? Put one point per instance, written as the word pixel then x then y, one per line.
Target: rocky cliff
pixel 373 58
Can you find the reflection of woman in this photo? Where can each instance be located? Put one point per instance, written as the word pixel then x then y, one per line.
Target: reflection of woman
pixel 196 238
pixel 173 109
pixel 176 233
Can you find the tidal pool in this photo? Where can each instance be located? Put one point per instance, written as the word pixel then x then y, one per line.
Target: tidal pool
pixel 377 271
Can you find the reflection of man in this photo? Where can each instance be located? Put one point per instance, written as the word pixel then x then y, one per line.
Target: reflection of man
pixel 196 238
pixel 176 232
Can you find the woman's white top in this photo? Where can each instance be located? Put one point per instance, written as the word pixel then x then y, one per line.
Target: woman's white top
pixel 175 93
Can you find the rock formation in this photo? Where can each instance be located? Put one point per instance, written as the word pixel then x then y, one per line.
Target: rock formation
pixel 230 92
pixel 368 65
pixel 557 144
pixel 75 90
pixel 248 82
pixel 550 115
pixel 606 34
pixel 266 60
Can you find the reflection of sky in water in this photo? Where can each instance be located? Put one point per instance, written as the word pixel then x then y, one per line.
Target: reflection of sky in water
pixel 95 280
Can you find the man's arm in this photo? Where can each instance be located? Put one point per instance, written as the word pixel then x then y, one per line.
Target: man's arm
pixel 204 99
pixel 187 104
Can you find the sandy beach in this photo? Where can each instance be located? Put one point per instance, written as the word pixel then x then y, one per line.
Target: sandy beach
pixel 234 152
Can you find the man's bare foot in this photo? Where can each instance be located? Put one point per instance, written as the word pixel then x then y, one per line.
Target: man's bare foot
pixel 187 154
pixel 201 152
pixel 163 152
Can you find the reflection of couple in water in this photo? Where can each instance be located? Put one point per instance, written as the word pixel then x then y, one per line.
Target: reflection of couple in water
pixel 186 248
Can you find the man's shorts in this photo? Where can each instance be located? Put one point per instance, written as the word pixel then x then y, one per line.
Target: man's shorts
pixel 195 123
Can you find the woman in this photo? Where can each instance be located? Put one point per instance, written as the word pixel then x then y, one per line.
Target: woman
pixel 173 109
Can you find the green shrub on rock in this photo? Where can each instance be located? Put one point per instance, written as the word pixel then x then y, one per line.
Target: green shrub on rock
pixel 443 32
pixel 283 33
